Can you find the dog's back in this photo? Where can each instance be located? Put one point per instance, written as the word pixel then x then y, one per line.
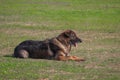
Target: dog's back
pixel 31 49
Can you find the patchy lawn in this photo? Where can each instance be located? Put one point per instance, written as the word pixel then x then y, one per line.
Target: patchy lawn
pixel 96 23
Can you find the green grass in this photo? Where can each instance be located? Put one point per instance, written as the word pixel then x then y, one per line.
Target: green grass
pixel 97 22
pixel 52 15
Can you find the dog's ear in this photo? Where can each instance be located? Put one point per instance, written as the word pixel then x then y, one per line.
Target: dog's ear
pixel 67 33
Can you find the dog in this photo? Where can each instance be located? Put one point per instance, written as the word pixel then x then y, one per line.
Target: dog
pixel 57 48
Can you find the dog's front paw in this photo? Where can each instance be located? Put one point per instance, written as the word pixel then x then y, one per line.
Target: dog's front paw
pixel 80 59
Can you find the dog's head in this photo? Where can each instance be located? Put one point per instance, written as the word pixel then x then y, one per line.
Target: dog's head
pixel 71 37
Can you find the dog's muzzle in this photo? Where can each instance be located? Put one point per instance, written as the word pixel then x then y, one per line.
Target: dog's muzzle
pixel 76 41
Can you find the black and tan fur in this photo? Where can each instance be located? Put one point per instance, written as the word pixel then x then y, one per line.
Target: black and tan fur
pixel 57 48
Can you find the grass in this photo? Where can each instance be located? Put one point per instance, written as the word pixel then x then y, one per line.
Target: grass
pixel 95 21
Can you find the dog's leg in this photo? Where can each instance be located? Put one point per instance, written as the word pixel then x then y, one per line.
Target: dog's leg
pixel 61 56
pixel 65 58
pixel 22 54
pixel 77 58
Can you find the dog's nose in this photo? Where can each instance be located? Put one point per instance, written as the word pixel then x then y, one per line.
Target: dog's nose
pixel 79 40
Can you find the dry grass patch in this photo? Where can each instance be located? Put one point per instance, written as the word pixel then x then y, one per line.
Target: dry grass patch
pixel 33 33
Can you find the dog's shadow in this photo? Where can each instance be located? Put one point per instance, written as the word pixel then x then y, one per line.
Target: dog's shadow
pixel 8 55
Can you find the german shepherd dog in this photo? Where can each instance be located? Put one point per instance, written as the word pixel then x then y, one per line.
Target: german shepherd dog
pixel 57 48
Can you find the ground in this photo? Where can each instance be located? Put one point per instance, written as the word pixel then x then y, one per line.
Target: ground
pixel 95 21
